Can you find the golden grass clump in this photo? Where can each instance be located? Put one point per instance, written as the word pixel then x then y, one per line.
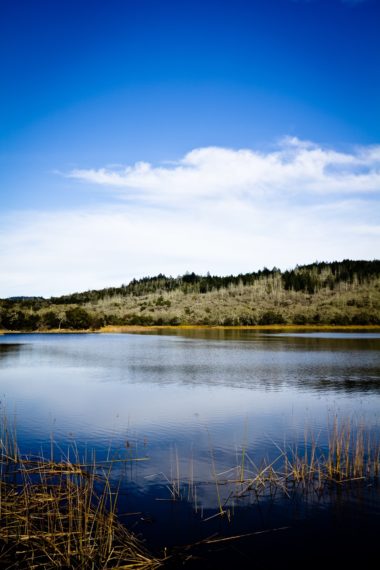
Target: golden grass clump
pixel 61 515
pixel 351 457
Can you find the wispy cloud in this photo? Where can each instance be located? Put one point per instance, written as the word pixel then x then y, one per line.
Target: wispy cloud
pixel 294 167
pixel 215 209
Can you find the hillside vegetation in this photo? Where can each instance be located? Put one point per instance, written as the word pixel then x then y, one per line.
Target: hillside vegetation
pixel 337 293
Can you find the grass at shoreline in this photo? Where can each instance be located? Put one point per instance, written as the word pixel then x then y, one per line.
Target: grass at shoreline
pixel 62 514
pixel 150 328
pixel 62 511
pixel 58 513
pixel 277 328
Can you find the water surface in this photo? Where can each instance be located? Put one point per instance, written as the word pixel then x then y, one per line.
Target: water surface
pixel 189 402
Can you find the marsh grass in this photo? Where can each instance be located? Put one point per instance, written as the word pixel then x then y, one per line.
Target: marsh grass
pixel 348 462
pixel 61 514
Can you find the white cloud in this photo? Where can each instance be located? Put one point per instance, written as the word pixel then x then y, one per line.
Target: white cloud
pixel 295 167
pixel 216 209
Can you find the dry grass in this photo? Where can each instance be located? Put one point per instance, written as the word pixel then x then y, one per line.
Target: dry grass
pixel 349 462
pixel 264 302
pixel 351 458
pixel 61 515
pixel 244 305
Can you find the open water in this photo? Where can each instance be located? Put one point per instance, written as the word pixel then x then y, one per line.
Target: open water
pixel 192 404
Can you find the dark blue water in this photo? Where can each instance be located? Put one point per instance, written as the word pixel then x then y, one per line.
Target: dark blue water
pixel 190 404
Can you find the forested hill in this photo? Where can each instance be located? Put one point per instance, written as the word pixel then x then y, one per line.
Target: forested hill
pixel 341 292
pixel 309 278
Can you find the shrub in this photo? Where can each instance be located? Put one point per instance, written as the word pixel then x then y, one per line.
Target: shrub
pixel 300 319
pixel 271 318
pixel 51 320
pixel 339 319
pixel 247 320
pixel 78 318
pixel 365 318
pixel 20 321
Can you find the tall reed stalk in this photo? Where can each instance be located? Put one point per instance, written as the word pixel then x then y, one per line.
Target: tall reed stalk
pixel 349 460
pixel 61 514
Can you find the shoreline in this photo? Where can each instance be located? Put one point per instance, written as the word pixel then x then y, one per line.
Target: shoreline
pixel 129 329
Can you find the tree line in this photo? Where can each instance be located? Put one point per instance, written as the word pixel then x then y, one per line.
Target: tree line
pixel 93 309
pixel 308 278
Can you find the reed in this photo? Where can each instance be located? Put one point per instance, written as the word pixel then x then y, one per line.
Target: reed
pixel 350 458
pixel 61 514
pixel 349 461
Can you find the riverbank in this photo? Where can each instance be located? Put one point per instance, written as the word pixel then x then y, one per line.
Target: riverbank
pixel 113 329
pixel 258 328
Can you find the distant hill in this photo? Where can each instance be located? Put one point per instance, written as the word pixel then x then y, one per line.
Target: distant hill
pixel 341 292
pixel 24 298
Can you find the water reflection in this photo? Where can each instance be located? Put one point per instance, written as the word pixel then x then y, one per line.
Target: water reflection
pixel 234 359
pixel 170 387
pixel 8 349
pixel 183 398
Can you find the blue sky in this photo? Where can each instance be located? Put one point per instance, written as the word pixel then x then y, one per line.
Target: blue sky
pixel 122 121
